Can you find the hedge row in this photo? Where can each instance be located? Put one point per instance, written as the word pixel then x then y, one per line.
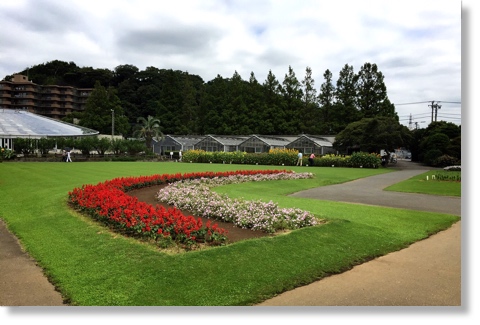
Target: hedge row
pixel 282 157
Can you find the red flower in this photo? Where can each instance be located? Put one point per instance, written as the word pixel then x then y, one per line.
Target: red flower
pixel 109 203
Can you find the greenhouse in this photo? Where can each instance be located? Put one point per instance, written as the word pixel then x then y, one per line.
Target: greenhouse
pixel 259 143
pixel 23 124
pixel 308 144
pixel 175 143
pixel 220 143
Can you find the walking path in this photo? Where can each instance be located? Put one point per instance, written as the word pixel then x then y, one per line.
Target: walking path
pixel 370 191
pixel 428 273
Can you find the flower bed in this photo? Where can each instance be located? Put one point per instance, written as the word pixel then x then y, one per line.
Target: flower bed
pixel 195 195
pixel 109 203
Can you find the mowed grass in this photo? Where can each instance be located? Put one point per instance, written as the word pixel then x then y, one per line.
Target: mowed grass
pixel 91 266
pixel 425 183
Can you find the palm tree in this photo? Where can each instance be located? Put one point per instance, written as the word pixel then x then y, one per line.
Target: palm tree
pixel 149 129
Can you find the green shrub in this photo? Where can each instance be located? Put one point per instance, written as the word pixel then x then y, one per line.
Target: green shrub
pixel 431 156
pixel 134 147
pixel 6 154
pixel 281 157
pixel 446 160
pixel 364 160
pixel 24 146
pixel 332 160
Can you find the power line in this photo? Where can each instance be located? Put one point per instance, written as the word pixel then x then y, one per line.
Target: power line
pixel 433 104
pixel 428 101
pixel 426 114
pixel 451 114
pixel 411 103
pixel 450 118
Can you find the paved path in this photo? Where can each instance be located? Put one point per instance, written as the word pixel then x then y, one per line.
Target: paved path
pixel 427 273
pixel 22 282
pixel 370 191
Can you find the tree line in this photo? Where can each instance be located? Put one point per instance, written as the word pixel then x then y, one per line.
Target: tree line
pixel 186 104
pixel 355 108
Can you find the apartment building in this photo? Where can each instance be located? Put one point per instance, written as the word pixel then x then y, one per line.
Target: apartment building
pixel 50 101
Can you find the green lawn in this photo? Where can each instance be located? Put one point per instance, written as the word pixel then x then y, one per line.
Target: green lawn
pixel 92 267
pixel 430 183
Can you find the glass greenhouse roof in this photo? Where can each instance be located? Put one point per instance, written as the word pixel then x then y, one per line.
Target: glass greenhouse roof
pixel 23 124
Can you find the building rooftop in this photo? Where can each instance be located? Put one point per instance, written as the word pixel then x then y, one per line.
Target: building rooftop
pixel 23 124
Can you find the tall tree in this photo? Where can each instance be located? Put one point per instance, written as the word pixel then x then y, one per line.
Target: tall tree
pixel 293 94
pixel 372 99
pixel 130 101
pixel 373 135
pixel 309 91
pixel 88 76
pixel 310 105
pixel 234 113
pixel 103 112
pixel 188 113
pixel 255 101
pixel 442 137
pixel 346 111
pixel 169 100
pixel 148 129
pixel 212 106
pixel 122 73
pixel 54 72
pixel 326 101
pixel 274 111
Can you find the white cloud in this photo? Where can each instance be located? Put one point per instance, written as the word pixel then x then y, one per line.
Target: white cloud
pixel 415 44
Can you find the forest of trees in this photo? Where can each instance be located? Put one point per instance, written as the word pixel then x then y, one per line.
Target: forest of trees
pixel 186 104
pixel 355 108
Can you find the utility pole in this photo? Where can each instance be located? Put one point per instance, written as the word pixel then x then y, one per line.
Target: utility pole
pixel 435 107
pixel 113 122
pixel 432 106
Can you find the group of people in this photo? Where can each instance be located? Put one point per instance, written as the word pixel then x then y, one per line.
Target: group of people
pixel 310 159
pixel 388 157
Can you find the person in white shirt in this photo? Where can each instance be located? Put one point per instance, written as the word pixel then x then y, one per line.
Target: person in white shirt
pixel 300 159
pixel 69 159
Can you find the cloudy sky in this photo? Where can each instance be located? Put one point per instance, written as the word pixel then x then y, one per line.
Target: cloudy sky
pixel 415 44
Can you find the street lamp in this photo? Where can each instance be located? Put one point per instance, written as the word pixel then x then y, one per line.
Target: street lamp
pixel 113 122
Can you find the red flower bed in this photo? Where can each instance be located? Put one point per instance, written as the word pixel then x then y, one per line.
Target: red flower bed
pixel 109 203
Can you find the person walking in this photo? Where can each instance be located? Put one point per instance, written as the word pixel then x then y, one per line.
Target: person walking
pixel 385 158
pixel 300 159
pixel 311 158
pixel 69 159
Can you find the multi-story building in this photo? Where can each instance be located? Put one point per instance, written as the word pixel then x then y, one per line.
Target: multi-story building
pixel 50 100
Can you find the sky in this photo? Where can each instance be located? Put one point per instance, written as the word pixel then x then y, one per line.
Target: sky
pixel 417 45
